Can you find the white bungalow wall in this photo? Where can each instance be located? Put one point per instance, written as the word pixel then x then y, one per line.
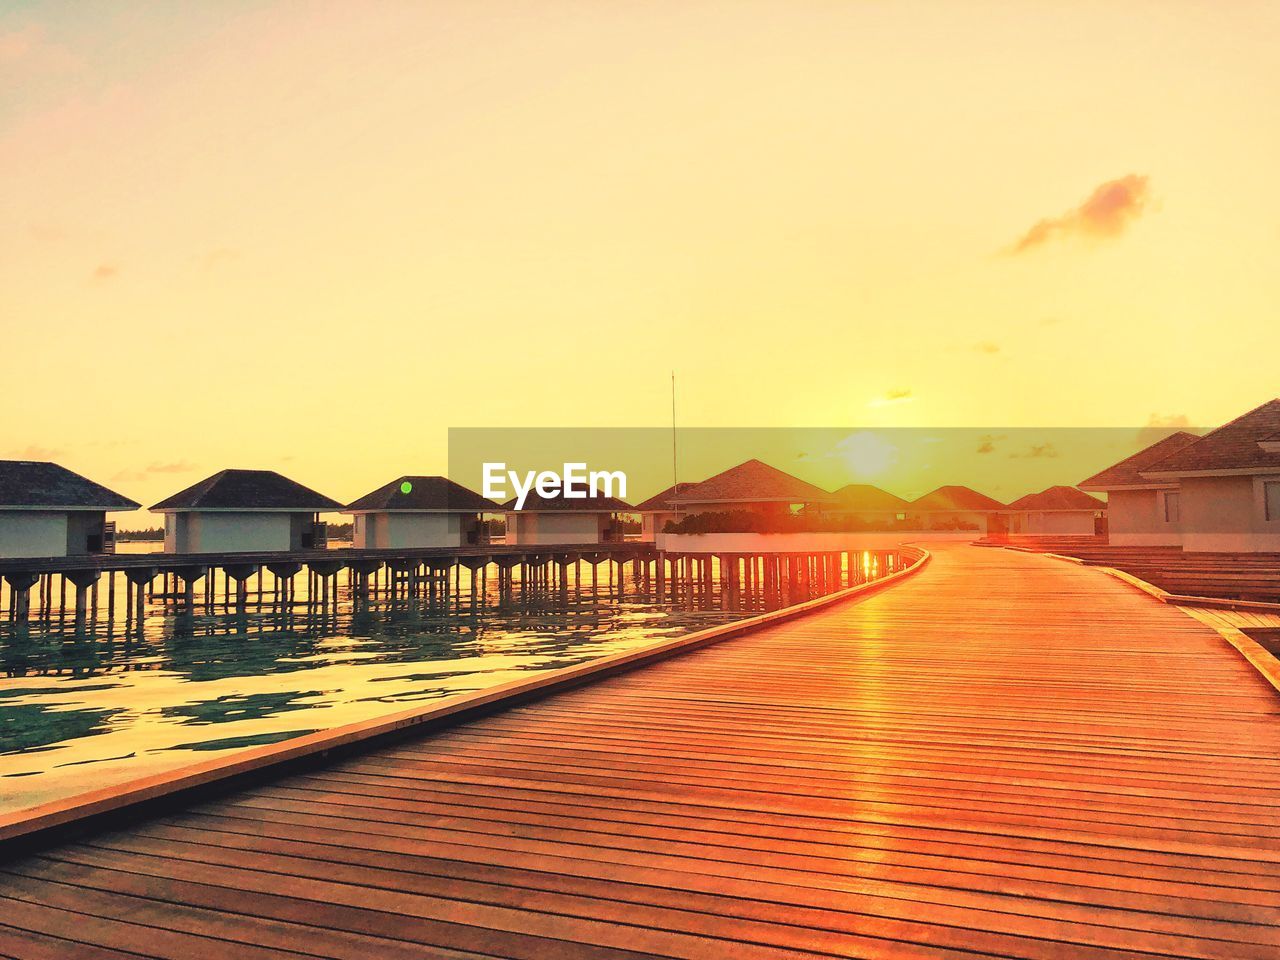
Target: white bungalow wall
pixel 231 532
pixel 398 531
pixel 1135 518
pixel 537 529
pixel 1227 514
pixel 30 533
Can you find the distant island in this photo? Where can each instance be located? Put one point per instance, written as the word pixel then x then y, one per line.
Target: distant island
pixel 149 533
pixel 337 531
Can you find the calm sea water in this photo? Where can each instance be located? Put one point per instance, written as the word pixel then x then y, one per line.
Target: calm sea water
pixel 78 714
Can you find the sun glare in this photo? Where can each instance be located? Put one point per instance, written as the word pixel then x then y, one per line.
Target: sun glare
pixel 866 453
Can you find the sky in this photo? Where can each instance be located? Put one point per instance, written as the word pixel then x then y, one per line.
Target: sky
pixel 313 237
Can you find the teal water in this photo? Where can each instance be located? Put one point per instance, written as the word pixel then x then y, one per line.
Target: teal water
pixel 81 713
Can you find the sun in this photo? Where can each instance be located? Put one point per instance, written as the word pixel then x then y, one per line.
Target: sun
pixel 867 453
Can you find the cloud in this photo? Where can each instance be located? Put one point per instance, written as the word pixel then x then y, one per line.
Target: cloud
pixel 986 346
pixel 1040 451
pixel 29 48
pixel 46 232
pixel 34 452
pixel 219 255
pixel 177 466
pixel 1160 426
pixel 896 395
pixel 104 272
pixel 1107 213
pixel 154 469
pixel 987 442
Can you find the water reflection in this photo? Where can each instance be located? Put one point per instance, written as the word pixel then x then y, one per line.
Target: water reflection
pixel 30 727
pixel 80 712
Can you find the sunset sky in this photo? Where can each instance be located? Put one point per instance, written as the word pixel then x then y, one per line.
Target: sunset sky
pixel 313 236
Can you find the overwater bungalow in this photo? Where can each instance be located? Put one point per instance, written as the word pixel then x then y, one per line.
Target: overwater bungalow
pixel 245 511
pixel 959 508
pixel 658 510
pixel 1056 511
pixel 413 512
pixel 755 486
pixel 557 520
pixel 47 510
pixel 1142 511
pixel 1229 484
pixel 869 504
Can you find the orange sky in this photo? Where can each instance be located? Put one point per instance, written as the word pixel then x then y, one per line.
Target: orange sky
pixel 313 236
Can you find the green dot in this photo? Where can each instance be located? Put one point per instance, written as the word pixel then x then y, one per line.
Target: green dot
pixel 406 487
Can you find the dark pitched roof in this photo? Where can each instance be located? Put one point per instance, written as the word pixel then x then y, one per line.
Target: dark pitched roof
pixel 863 496
pixel 753 481
pixel 662 502
pixel 1058 498
pixel 597 504
pixel 425 493
pixel 248 490
pixel 31 483
pixel 1128 472
pixel 956 498
pixel 1233 446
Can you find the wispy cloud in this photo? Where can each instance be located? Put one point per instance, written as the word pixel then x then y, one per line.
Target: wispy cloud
pixel 1036 451
pixel 986 346
pixel 30 48
pixel 155 469
pixel 899 394
pixel 1160 426
pixel 34 452
pixel 896 395
pixel 104 272
pixel 1106 213
pixel 987 442
pixel 218 256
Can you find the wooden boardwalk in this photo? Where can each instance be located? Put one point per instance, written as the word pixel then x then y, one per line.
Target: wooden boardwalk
pixel 1006 755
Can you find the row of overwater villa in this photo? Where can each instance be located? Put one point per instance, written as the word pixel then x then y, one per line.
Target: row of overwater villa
pixel 49 511
pixel 1219 492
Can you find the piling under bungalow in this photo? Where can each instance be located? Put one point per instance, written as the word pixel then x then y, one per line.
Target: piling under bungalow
pixel 86 591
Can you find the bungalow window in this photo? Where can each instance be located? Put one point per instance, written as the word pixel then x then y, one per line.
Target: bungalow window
pixel 1271 499
pixel 1172 507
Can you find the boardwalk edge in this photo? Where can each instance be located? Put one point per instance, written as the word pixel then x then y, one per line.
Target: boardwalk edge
pixel 1257 655
pixel 1253 652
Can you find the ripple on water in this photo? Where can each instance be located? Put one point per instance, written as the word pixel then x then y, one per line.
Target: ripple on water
pixel 110 709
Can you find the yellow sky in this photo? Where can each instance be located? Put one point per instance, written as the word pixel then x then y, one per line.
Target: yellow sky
pixel 312 236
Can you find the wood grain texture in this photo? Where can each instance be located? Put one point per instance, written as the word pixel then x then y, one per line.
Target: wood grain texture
pixel 1004 756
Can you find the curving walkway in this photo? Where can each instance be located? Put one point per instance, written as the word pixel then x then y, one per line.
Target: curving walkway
pixel 1005 755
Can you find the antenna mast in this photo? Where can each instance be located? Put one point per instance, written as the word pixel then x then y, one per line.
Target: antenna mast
pixel 675 473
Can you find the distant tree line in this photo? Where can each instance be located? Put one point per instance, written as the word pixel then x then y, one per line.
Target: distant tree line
pixel 748 521
pixel 150 533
